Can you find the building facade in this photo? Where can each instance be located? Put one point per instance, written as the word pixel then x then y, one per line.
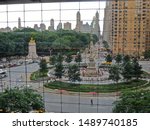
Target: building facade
pixel 107 26
pixel 130 26
pixel 67 26
pixel 93 28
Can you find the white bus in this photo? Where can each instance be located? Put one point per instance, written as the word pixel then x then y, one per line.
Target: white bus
pixel 3 73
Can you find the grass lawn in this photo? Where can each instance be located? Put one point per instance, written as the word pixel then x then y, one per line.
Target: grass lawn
pixel 37 74
pixel 133 85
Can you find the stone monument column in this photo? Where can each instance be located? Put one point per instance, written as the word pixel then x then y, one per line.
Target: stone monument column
pixel 32 50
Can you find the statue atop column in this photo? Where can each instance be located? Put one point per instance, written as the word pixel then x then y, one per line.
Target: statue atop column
pixel 32 49
pixel 91 70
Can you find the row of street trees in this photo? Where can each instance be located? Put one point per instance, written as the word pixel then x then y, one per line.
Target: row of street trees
pixel 125 68
pixel 70 70
pixel 129 101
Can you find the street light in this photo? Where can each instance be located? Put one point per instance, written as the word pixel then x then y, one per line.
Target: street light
pixel 50 52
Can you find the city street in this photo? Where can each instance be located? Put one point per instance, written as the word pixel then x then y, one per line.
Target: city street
pixel 57 102
pixel 19 76
pixel 76 104
pixel 145 65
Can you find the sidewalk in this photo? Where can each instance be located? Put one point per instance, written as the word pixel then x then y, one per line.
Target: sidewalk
pixel 85 94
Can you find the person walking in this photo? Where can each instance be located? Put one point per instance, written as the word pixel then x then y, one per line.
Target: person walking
pixel 91 101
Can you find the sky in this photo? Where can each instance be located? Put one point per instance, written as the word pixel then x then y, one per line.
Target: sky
pixel 42 13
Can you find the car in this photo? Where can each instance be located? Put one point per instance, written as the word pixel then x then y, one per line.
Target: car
pixel 1 66
pixel 3 73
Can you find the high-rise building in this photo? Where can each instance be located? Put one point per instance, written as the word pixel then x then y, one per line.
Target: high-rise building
pixel 107 26
pixel 78 22
pixel 130 19
pixel 94 28
pixel 36 27
pixel 59 26
pixel 67 26
pixel 95 25
pixel 42 27
pixel 147 24
pixel 19 23
pixel 51 27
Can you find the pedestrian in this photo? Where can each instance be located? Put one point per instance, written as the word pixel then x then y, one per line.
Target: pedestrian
pixel 21 76
pixel 91 101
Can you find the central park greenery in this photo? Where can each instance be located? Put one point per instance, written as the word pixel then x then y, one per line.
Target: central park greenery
pixel 16 43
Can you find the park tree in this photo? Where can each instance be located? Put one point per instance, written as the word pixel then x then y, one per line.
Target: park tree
pixel 114 73
pixel 137 69
pixel 52 60
pixel 127 71
pixel 108 58
pixel 147 54
pixel 133 102
pixel 20 100
pixel 118 58
pixel 59 69
pixel 74 73
pixel 126 59
pixel 105 44
pixel 68 58
pixel 43 65
pixel 78 58
pixel 59 58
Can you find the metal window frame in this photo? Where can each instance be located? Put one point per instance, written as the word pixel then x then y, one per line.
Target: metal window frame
pixel 41 1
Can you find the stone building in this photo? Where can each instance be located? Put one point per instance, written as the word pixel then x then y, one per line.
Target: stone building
pixel 67 26
pixel 93 28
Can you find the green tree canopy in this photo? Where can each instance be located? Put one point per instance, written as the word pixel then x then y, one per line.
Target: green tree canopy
pixel 43 65
pixel 68 58
pixel 147 54
pixel 133 102
pixel 20 100
pixel 16 42
pixel 137 69
pixel 118 58
pixel 126 59
pixel 74 73
pixel 78 57
pixel 105 44
pixel 52 60
pixel 127 71
pixel 114 73
pixel 59 70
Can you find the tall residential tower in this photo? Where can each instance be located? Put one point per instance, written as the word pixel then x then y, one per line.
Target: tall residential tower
pixel 130 26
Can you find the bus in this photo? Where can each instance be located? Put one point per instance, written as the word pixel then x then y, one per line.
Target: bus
pixel 3 73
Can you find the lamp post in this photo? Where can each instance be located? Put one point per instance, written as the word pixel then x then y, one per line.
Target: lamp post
pixel 50 52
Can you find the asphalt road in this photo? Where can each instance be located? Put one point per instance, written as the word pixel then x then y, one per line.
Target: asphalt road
pixel 57 102
pixel 78 104
pixel 145 65
pixel 19 76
